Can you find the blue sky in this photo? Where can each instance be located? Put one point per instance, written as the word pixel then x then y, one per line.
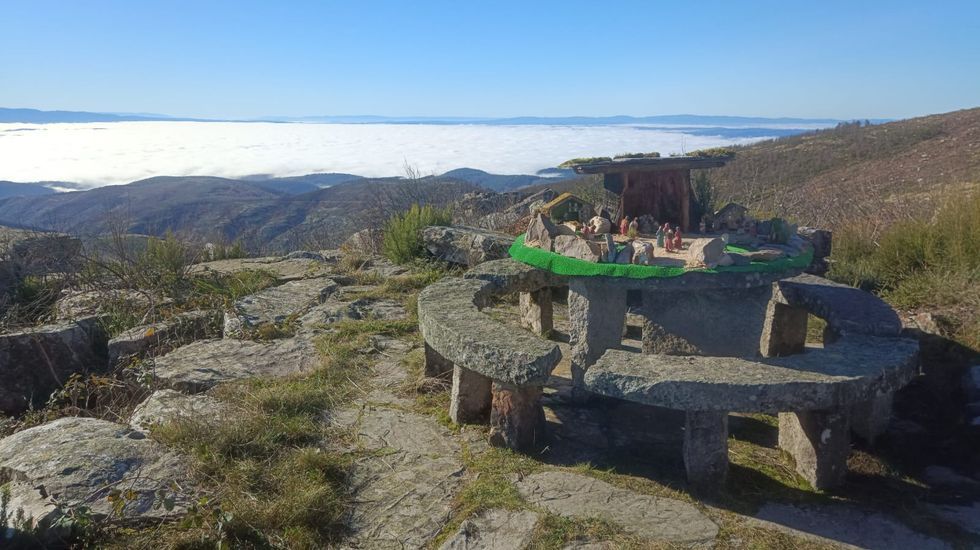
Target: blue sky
pixel 478 58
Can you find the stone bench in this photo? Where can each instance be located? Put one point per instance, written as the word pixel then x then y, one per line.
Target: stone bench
pixel 820 394
pixel 494 368
pixel 533 285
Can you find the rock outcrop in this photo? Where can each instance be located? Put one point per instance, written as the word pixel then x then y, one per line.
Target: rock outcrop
pixel 24 253
pixel 159 338
pixel 165 406
pixel 73 462
pixel 276 305
pixel 465 245
pixel 37 361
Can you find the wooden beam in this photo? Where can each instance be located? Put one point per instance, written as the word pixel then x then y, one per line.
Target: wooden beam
pixel 686 203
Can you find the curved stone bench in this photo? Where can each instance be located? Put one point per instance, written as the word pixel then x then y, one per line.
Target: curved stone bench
pixel 816 392
pixel 493 367
pixel 534 286
pixel 846 309
pixel 853 369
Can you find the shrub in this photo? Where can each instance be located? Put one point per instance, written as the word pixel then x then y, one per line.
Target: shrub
pixel 918 263
pixel 402 241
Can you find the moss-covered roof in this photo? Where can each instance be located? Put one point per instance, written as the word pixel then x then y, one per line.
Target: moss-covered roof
pixel 559 200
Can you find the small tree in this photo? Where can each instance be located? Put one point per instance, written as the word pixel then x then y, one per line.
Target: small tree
pixel 704 196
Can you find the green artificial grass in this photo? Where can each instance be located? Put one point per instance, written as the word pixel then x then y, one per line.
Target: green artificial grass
pixel 563 265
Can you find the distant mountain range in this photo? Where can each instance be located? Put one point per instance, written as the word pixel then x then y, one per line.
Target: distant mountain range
pixel 34 116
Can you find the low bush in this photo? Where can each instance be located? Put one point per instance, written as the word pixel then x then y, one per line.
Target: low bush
pixel 402 241
pixel 919 264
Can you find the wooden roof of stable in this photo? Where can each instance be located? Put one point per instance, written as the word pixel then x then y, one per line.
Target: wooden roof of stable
pixel 650 164
pixel 560 199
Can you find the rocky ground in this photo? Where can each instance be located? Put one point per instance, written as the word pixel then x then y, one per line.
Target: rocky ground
pixel 611 476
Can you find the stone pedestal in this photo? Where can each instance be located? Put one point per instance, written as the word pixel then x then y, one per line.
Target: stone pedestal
pixel 537 313
pixel 436 366
pixel 870 418
pixel 706 449
pixel 597 314
pixel 516 417
pixel 720 323
pixel 784 331
pixel 470 399
pixel 819 441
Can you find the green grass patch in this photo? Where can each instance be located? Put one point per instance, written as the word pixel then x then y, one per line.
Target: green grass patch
pixel 272 479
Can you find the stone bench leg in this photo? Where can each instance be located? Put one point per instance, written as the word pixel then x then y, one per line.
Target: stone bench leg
pixel 706 449
pixel 784 331
pixel 870 418
pixel 436 366
pixel 596 315
pixel 516 417
pixel 470 399
pixel 819 441
pixel 537 311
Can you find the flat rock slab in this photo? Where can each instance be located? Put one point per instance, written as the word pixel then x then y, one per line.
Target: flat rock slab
pixel 199 366
pixel 277 304
pixel 495 529
pixel 845 527
pixel 403 491
pixel 321 316
pixel 655 518
pixel 165 406
pixel 75 462
pixel 285 269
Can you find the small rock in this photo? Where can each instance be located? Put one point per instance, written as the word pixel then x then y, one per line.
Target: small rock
pixel 576 247
pixel 495 529
pixel 541 232
pixel 165 406
pixel 705 252
pixel 365 241
pixel 764 255
pixel 625 256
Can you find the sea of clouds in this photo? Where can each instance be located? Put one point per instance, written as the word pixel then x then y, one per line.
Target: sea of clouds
pixel 121 152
